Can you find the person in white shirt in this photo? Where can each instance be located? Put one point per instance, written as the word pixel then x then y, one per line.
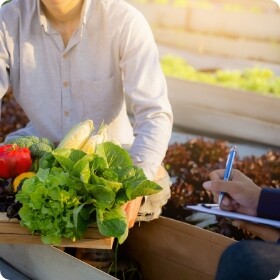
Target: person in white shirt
pixel 71 60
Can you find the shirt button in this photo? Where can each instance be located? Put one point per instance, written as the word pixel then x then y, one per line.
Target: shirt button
pixel 66 113
pixel 65 83
pixel 65 55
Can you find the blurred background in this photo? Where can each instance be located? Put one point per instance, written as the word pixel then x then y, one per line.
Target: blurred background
pixel 221 60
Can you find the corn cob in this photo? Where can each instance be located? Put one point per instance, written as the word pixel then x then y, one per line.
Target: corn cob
pixel 77 136
pixel 90 145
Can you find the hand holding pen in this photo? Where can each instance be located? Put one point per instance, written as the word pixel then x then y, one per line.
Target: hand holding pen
pixel 228 169
pixel 242 193
pixel 242 197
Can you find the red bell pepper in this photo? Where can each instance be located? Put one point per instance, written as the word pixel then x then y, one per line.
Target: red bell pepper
pixel 14 160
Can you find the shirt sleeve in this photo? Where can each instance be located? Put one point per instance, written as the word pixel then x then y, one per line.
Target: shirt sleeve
pixel 145 86
pixel 25 131
pixel 269 204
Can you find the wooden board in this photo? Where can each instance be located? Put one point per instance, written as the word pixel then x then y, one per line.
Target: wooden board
pixel 169 249
pixel 11 232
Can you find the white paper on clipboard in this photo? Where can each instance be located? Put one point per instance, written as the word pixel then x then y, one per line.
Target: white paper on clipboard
pixel 215 210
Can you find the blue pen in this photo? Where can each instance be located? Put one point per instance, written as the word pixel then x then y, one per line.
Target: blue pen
pixel 229 164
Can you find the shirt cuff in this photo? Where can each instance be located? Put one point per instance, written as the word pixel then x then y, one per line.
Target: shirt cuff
pixel 269 204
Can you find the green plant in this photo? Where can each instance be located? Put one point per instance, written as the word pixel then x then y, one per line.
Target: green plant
pixel 256 79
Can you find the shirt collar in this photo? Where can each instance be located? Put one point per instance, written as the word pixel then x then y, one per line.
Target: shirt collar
pixel 42 17
pixel 85 11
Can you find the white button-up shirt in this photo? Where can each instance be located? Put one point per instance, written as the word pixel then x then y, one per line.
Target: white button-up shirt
pixel 111 54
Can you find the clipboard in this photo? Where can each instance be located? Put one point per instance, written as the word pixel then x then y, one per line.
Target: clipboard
pixel 215 210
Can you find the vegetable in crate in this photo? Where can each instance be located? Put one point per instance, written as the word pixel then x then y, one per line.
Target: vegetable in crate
pixel 77 136
pixel 14 160
pixel 17 182
pixel 38 146
pixel 73 189
pixel 95 139
pixel 7 196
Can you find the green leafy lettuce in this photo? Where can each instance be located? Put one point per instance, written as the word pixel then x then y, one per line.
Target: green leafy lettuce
pixel 73 190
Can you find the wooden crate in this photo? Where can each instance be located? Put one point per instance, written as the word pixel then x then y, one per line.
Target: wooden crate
pixel 11 232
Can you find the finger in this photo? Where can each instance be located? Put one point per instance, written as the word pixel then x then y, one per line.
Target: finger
pixel 215 186
pixel 226 201
pixel 227 207
pixel 124 206
pixel 208 186
pixel 236 174
pixel 217 174
pixel 132 210
pixel 215 196
pixel 235 205
pixel 220 186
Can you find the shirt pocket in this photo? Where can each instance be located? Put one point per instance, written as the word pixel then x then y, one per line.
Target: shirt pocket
pixel 99 100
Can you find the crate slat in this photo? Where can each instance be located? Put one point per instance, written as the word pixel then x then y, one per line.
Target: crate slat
pixel 11 232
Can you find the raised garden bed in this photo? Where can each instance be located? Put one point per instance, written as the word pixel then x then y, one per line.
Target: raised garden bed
pixel 243 30
pixel 168 249
pixel 225 112
pixel 226 98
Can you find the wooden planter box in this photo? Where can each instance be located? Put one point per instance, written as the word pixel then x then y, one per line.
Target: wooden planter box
pixel 259 26
pixel 11 232
pixel 215 19
pixel 225 112
pixel 222 112
pixel 215 30
pixel 245 48
pixel 168 249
